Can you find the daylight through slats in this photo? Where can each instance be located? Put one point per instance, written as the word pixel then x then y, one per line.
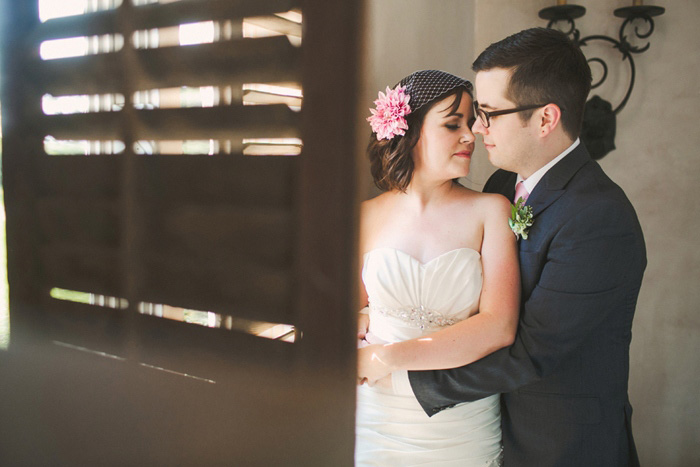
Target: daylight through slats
pixel 230 63
pixel 158 16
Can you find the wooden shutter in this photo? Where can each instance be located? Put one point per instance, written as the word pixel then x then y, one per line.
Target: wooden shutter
pixel 251 239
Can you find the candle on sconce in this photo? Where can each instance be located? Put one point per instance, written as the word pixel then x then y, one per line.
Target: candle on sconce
pixel 562 2
pixel 637 2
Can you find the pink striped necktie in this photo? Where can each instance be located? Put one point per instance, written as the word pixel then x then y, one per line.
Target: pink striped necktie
pixel 520 192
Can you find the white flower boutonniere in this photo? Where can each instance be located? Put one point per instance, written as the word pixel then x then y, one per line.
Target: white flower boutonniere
pixel 520 218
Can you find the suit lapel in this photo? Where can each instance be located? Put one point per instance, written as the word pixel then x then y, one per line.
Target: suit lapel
pixel 540 199
pixel 552 185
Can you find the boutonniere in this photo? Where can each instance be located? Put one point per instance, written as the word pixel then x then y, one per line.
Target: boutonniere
pixel 520 218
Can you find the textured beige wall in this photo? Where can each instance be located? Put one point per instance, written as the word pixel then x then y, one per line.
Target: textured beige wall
pixel 410 35
pixel 404 36
pixel 655 162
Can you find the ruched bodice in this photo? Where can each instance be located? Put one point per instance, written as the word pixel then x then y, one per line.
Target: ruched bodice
pixel 409 299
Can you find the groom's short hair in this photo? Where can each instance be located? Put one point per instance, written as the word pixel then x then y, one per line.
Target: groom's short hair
pixel 547 67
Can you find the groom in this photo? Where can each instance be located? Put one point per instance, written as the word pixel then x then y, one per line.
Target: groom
pixel 564 380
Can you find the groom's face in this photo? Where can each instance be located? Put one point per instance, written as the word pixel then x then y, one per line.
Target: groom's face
pixel 507 139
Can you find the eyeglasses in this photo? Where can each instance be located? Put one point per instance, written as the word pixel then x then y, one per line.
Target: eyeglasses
pixel 485 116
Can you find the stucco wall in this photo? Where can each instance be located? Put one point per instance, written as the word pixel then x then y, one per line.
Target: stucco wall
pixel 655 163
pixel 404 36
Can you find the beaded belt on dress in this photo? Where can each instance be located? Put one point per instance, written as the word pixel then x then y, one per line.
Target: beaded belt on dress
pixel 418 316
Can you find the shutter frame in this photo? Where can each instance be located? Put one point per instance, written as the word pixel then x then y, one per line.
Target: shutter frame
pixel 155 394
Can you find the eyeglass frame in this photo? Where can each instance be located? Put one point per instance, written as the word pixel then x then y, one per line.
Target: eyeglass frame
pixel 495 113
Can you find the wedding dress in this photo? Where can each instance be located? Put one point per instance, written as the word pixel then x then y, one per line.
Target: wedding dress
pixel 409 299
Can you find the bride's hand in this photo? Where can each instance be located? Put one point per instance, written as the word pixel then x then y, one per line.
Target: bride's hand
pixel 362 326
pixel 372 364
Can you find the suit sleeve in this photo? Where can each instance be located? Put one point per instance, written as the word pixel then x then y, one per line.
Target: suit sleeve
pixel 585 278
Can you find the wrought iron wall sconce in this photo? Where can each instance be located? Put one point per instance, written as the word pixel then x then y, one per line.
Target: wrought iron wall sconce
pixel 599 117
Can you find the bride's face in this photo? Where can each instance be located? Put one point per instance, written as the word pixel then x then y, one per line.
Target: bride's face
pixel 446 142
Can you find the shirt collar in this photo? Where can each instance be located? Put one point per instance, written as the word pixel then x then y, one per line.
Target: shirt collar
pixel 531 182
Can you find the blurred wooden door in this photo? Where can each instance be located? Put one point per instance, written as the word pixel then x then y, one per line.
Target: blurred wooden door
pixel 167 240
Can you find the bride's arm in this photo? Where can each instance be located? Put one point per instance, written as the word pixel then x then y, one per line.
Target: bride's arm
pixel 469 340
pixel 361 294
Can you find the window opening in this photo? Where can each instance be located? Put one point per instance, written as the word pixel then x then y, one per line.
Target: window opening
pixel 79 46
pixel 56 147
pixel 66 105
pixel 50 9
pixel 89 298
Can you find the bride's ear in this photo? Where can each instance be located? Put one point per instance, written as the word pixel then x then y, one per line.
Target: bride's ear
pixel 549 119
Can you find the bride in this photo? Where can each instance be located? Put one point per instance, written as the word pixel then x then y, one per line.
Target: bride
pixel 433 254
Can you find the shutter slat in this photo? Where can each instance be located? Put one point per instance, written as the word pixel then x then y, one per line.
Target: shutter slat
pixel 198 231
pixel 100 328
pixel 247 290
pixel 235 179
pixel 79 220
pixel 188 11
pixel 91 126
pixel 229 63
pixel 204 231
pixel 89 24
pixel 242 289
pixel 88 177
pixel 172 344
pixel 158 16
pixel 266 182
pixel 198 350
pixel 84 268
pixel 224 122
pixel 275 23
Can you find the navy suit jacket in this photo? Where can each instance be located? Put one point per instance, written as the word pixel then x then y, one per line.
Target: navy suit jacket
pixel 564 380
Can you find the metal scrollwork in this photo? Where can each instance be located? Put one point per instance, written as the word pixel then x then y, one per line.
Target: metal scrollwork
pixel 623 38
pixel 604 66
pixel 626 56
pixel 568 13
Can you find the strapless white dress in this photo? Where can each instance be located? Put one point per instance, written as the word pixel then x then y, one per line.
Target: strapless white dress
pixel 409 299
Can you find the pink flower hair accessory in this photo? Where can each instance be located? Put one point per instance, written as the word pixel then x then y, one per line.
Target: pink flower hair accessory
pixel 387 119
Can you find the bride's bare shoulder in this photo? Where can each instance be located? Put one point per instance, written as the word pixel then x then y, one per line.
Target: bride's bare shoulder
pixel 373 213
pixel 485 204
pixel 493 200
pixel 375 206
pixel 494 208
